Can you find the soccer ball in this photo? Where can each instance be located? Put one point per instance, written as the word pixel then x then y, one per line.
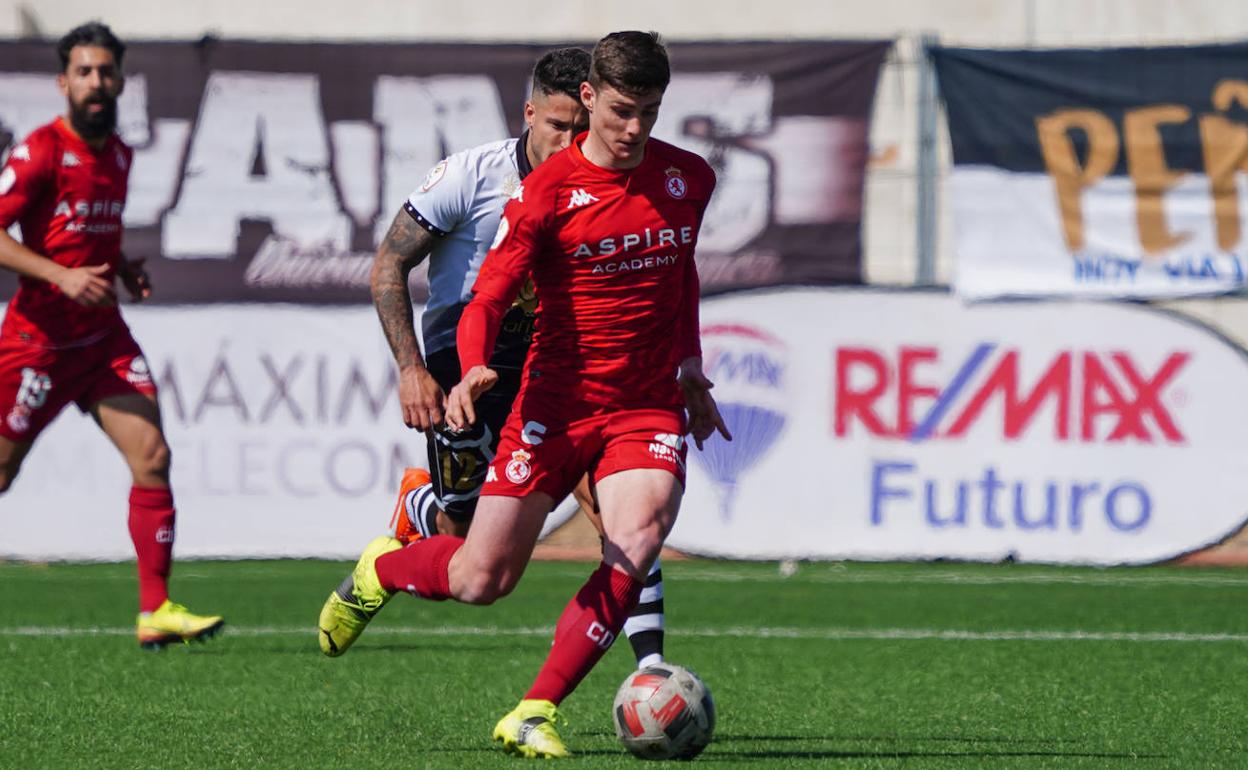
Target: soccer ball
pixel 664 711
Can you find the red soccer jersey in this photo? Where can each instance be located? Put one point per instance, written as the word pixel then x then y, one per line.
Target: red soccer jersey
pixel 611 256
pixel 68 199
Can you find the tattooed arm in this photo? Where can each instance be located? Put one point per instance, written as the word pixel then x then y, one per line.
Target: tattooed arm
pixel 405 245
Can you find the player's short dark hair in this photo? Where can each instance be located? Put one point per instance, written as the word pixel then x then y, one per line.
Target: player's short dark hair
pixel 562 71
pixel 632 63
pixel 92 33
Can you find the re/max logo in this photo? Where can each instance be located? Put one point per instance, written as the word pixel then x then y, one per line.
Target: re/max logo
pixel 1095 396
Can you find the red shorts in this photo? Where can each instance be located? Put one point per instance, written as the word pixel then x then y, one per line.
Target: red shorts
pixel 36 383
pixel 538 453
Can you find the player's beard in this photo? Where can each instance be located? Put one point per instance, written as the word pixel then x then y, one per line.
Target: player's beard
pixel 98 125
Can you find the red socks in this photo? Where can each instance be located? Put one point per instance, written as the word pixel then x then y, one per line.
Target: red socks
pixel 151 530
pixel 585 631
pixel 421 568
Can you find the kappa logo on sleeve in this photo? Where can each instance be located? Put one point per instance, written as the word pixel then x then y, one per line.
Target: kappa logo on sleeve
pixel 580 198
pixel 7 178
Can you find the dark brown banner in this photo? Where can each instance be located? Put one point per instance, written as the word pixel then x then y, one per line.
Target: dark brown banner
pixel 269 171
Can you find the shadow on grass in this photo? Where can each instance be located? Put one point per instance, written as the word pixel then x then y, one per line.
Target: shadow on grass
pixel 723 749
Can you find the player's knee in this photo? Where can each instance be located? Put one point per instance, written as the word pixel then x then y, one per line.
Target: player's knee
pixel 488 586
pixel 635 550
pixel 152 459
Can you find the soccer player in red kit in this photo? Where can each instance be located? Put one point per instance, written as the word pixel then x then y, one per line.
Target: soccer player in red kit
pixel 607 230
pixel 63 339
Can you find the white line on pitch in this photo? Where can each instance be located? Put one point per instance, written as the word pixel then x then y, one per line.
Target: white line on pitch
pixel 806 573
pixel 830 634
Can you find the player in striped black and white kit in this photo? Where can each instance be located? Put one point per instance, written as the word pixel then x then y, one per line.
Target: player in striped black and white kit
pixel 452 218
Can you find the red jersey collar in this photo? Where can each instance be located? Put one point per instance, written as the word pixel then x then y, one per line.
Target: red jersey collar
pixel 579 156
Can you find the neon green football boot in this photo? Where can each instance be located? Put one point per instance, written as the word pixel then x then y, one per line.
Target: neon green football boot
pixel 353 603
pixel 170 623
pixel 529 731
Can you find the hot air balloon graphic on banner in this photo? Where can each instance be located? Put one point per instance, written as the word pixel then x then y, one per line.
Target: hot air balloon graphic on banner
pixel 748 367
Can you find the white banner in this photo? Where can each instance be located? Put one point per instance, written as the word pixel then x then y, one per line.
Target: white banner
pixel 869 424
pixel 286 435
pixel 1011 239
pixel 899 425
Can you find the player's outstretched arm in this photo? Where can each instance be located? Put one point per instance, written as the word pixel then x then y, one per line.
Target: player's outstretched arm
pixel 85 285
pixel 704 417
pixel 404 246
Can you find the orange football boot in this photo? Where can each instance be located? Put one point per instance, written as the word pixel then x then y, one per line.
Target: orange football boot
pixel 404 531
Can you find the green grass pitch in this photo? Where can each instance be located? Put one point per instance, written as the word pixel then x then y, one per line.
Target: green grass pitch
pixel 838 665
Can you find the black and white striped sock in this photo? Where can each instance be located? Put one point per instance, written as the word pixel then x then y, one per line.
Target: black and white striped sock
pixel 421 507
pixel 645 626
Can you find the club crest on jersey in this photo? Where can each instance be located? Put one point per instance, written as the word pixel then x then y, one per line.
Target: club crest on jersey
pixel 434 176
pixel 676 185
pixel 69 160
pixel 519 470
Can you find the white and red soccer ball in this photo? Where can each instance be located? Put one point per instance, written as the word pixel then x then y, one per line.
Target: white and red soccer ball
pixel 664 711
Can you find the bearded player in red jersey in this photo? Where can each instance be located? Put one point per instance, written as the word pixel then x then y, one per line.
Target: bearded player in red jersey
pixel 63 339
pixel 607 230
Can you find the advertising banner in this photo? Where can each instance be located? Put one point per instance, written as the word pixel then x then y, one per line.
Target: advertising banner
pixel 900 425
pixel 269 171
pixel 1108 172
pixel 867 425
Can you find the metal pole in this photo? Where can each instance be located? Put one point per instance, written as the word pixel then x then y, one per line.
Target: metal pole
pixel 926 171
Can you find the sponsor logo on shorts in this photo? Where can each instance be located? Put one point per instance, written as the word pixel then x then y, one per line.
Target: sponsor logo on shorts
pixel 19 419
pixel 140 373
pixel 667 446
pixel 519 470
pixel 164 534
pixel 33 391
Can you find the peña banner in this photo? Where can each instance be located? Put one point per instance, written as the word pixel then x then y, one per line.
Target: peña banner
pixel 269 171
pixel 1108 172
